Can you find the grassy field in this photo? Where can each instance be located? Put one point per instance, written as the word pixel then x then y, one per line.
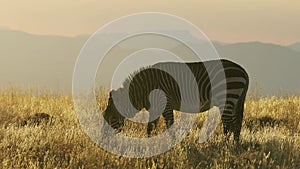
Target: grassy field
pixel 270 137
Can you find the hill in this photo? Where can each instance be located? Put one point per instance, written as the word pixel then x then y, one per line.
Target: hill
pixel 295 46
pixel 48 61
pixel 274 69
pixel 43 61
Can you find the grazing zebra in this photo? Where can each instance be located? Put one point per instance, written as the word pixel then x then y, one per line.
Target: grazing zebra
pixel 235 83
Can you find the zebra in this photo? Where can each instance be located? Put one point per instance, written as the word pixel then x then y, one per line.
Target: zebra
pixel 142 82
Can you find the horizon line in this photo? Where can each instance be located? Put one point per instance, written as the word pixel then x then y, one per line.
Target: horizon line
pixel 4 28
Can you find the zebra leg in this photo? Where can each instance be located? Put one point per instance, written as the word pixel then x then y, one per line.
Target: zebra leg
pixel 239 119
pixel 169 117
pixel 169 120
pixel 233 123
pixel 226 130
pixel 227 120
pixel 152 125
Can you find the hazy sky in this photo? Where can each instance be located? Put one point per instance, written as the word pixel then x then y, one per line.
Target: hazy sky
pixel 273 21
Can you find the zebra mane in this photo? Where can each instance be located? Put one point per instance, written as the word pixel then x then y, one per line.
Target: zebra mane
pixel 127 81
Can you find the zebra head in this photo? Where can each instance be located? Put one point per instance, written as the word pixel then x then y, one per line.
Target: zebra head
pixel 112 116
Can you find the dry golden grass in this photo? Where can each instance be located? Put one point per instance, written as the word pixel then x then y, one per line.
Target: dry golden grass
pixel 269 139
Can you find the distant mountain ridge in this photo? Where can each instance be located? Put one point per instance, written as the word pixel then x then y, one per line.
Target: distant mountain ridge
pixel 38 60
pixel 295 46
pixel 273 68
pixel 48 61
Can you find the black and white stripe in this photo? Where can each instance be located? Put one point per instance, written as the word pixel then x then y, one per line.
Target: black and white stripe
pixel 220 83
